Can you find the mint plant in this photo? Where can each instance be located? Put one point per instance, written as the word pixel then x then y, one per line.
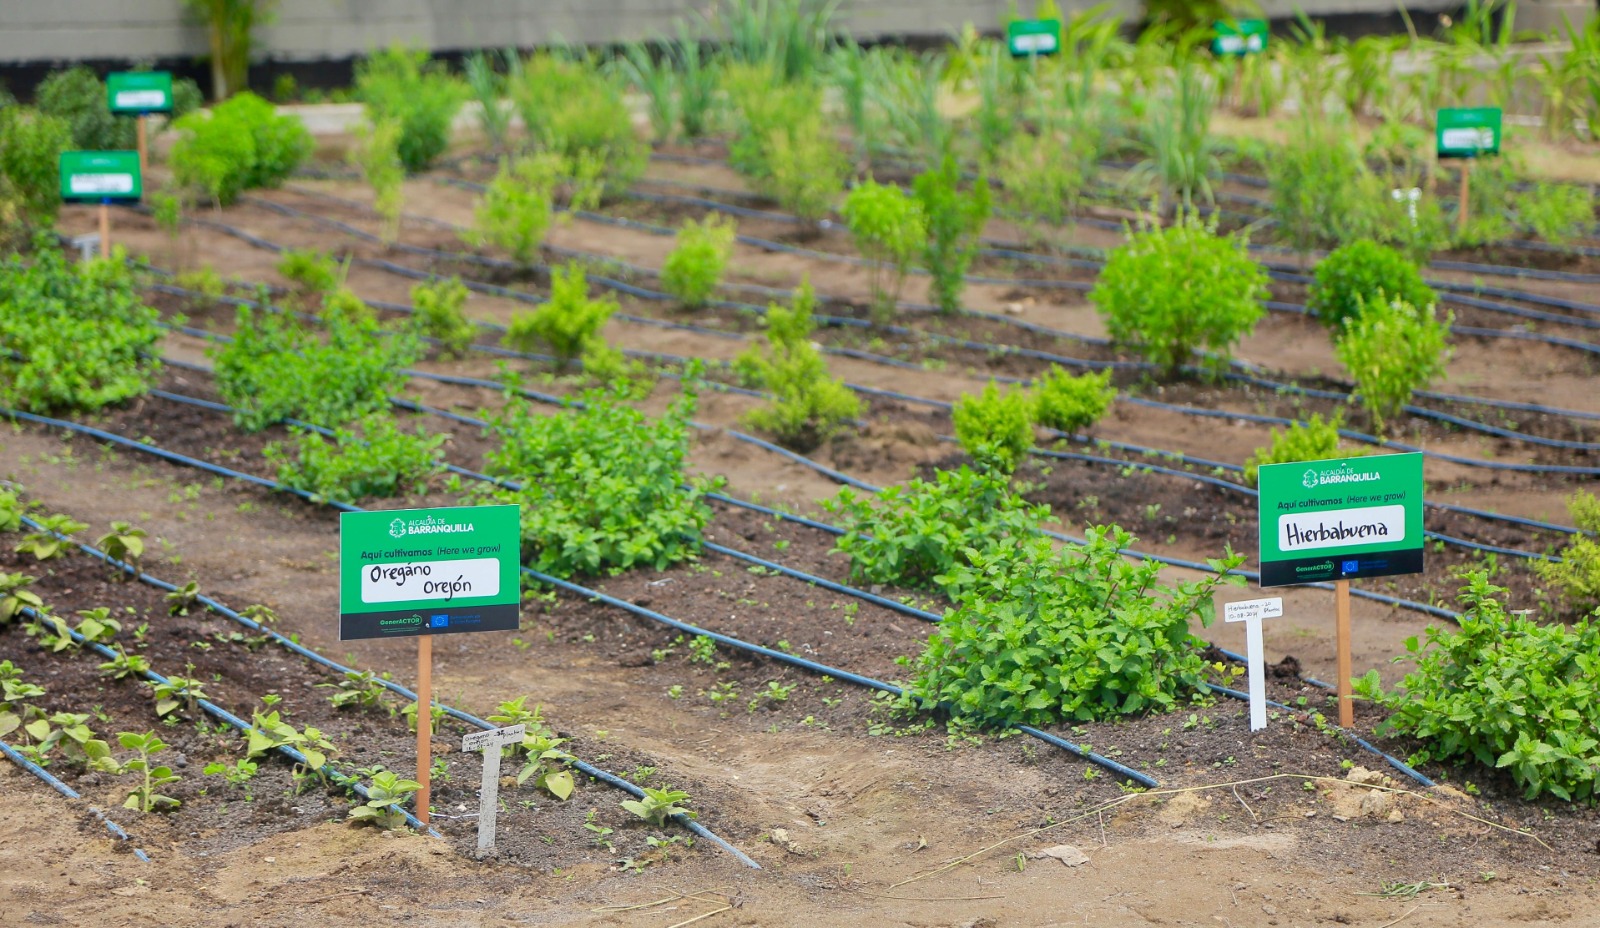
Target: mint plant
pixel 1392 349
pixel 955 221
pixel 1314 439
pixel 72 739
pixel 1505 691
pixel 1071 403
pixel 915 535
pixel 694 268
pixel 238 774
pixel 568 324
pixel 1041 637
pixel 1169 292
pixel 995 428
pixel 418 97
pixel 1576 577
pixel 1362 272
pixel 889 228
pixel 808 404
pixel 374 460
pixel 440 307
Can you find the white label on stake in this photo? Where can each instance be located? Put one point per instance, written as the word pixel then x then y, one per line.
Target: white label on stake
pixel 140 99
pixel 1474 138
pixel 1040 43
pixel 1338 528
pixel 441 581
pixel 1270 608
pixel 494 737
pixel 1230 44
pixel 1251 612
pixel 490 742
pixel 95 184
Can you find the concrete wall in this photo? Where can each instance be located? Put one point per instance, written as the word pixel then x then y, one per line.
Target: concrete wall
pixel 307 30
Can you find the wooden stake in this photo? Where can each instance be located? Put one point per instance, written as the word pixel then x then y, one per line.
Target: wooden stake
pixel 1461 214
pixel 105 229
pixel 144 150
pixel 424 722
pixel 1341 605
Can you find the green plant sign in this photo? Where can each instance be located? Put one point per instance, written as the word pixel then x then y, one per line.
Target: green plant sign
pixel 1028 38
pixel 134 93
pixel 1239 37
pixel 410 572
pixel 100 177
pixel 1341 519
pixel 1468 132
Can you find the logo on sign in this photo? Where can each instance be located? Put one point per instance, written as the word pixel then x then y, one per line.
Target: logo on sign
pixel 440 621
pixel 1351 567
pixel 1314 478
pixel 397 528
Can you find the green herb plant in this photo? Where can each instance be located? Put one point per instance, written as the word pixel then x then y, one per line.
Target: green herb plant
pixel 517 207
pixel 360 688
pixel 1576 577
pixel 440 307
pixel 386 791
pixel 179 692
pixel 579 114
pixel 1392 349
pixel 995 427
pixel 242 144
pixel 53 539
pixel 568 324
pixel 400 87
pixel 153 776
pixel 1314 439
pixel 658 805
pixel 376 459
pixel 31 144
pixel 955 220
pixel 889 229
pixel 123 543
pixel 809 405
pixel 377 156
pixel 1072 403
pixel 1359 273
pixel 694 268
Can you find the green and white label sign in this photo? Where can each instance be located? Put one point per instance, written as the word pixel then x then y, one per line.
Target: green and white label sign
pixel 100 176
pixel 1467 132
pixel 1239 37
pixel 136 92
pixel 410 572
pixel 1029 37
pixel 1341 519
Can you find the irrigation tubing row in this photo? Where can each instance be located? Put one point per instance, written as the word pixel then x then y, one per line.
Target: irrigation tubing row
pixel 51 781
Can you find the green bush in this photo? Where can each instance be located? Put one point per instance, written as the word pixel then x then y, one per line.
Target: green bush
pixel 1314 439
pixel 342 303
pixel 915 535
pixel 78 96
pixel 1557 213
pixel 375 460
pixel 82 337
pixel 602 486
pixel 578 113
pixel 1072 403
pixel 275 369
pixel 1577 575
pixel 240 145
pixel 517 207
pixel 1172 291
pixel 313 271
pixel 889 228
pixel 955 223
pixel 402 86
pixel 783 143
pixel 1361 272
pixel 441 315
pixel 808 403
pixel 1505 691
pixel 1392 349
pixel 1042 637
pixel 694 268
pixel 377 157
pixel 995 428
pixel 31 144
pixel 568 324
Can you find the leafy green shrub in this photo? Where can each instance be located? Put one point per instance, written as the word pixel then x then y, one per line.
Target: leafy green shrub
pixel 441 315
pixel 377 156
pixel 517 207
pixel 574 111
pixel 373 460
pixel 1577 575
pixel 1558 213
pixel 694 268
pixel 1505 691
pixel 1314 179
pixel 783 143
pixel 955 223
pixel 1392 349
pixel 275 369
pixel 569 323
pixel 78 96
pixel 1314 439
pixel 1171 291
pixel 808 404
pixel 1041 637
pixel 313 271
pixel 240 145
pixel 343 304
pixel 1361 272
pixel 82 337
pixel 602 487
pixel 995 428
pixel 915 535
pixel 31 144
pixel 1072 403
pixel 402 86
pixel 889 228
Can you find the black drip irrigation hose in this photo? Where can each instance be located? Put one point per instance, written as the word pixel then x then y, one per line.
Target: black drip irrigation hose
pixel 51 781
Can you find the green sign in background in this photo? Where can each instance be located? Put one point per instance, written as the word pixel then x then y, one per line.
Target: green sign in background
pixel 1029 37
pixel 410 572
pixel 135 92
pixel 1468 132
pixel 1239 37
pixel 1341 519
pixel 97 176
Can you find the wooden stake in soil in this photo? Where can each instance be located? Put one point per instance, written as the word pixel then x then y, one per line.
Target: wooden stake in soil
pixel 105 228
pixel 1341 605
pixel 424 721
pixel 1463 212
pixel 144 151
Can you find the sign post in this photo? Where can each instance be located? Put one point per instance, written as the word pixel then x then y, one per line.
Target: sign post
pixel 1340 520
pixel 138 94
pixel 1251 612
pixel 416 573
pixel 490 742
pixel 103 177
pixel 1030 38
pixel 1467 133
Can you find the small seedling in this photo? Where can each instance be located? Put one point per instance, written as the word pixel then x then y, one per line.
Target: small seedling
pixel 384 796
pixel 144 797
pixel 658 805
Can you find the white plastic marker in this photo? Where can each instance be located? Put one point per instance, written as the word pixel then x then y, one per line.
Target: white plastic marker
pixel 490 743
pixel 1251 612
